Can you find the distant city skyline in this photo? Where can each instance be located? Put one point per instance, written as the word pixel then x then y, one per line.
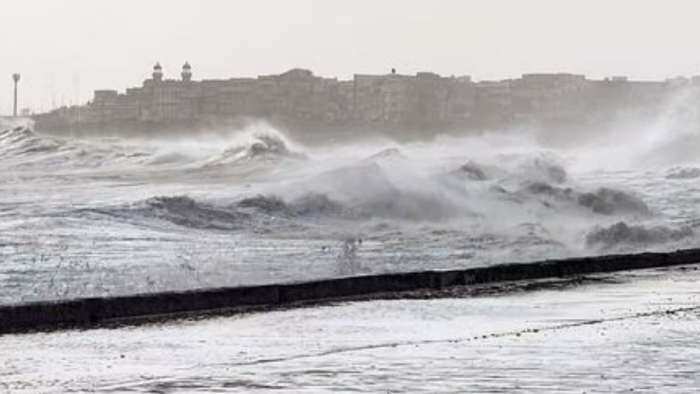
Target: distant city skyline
pixel 66 50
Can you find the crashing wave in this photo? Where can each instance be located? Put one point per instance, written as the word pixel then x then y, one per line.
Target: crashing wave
pixel 622 234
pixel 387 154
pixel 533 235
pixel 247 214
pixel 269 145
pixel 472 171
pixel 369 191
pixel 604 201
pixel 608 201
pixel 545 189
pixel 549 169
pixel 311 204
pixel 541 168
pixel 21 147
pixel 354 182
pixel 408 205
pixel 261 147
pixel 16 133
pixel 179 210
pixel 315 204
pixel 169 158
pixel 22 140
pixel 683 173
pixel 185 211
pixel 266 204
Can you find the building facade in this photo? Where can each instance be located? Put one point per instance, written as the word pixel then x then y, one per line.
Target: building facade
pixel 392 100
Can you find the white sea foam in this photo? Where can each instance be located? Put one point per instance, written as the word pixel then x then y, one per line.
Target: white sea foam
pixel 98 216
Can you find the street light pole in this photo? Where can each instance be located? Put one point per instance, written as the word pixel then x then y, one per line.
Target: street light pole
pixel 15 77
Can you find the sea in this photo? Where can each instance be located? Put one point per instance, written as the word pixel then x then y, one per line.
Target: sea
pixel 112 216
pixel 103 216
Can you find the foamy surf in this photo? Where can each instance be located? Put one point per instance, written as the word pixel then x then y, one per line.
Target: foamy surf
pixel 253 206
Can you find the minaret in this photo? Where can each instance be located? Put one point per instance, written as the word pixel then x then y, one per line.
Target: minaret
pixel 157 72
pixel 186 72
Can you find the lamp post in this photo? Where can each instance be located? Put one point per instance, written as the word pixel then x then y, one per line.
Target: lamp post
pixel 15 78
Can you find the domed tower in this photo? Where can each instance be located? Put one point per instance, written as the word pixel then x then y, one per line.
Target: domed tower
pixel 157 72
pixel 186 72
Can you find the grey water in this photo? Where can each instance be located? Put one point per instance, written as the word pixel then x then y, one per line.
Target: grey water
pixel 108 216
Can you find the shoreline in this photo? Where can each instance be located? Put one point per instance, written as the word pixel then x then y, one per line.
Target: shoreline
pixel 164 306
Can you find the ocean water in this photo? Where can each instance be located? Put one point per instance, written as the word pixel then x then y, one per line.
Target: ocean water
pixel 108 216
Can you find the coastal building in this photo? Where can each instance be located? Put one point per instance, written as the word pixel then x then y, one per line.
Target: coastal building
pixel 385 101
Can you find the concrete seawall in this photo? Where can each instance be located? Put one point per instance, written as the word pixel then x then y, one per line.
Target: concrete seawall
pixel 89 312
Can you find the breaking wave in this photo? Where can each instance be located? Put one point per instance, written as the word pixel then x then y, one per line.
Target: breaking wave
pixel 308 205
pixel 472 171
pixel 371 190
pixel 623 235
pixel 603 200
pixel 506 195
pixel 526 198
pixel 21 147
pixel 386 154
pixel 249 213
pixel 20 141
pixel 180 210
pixel 543 167
pixel 267 146
pixel 683 173
pixel 608 201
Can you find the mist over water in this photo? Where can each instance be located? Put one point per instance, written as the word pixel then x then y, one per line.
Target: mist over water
pixel 84 217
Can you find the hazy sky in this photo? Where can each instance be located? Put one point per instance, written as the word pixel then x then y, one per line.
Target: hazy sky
pixel 67 48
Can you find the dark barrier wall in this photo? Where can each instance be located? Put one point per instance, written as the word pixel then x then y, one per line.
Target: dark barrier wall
pixel 87 312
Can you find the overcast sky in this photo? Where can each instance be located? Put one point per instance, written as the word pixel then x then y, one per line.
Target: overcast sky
pixel 65 49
